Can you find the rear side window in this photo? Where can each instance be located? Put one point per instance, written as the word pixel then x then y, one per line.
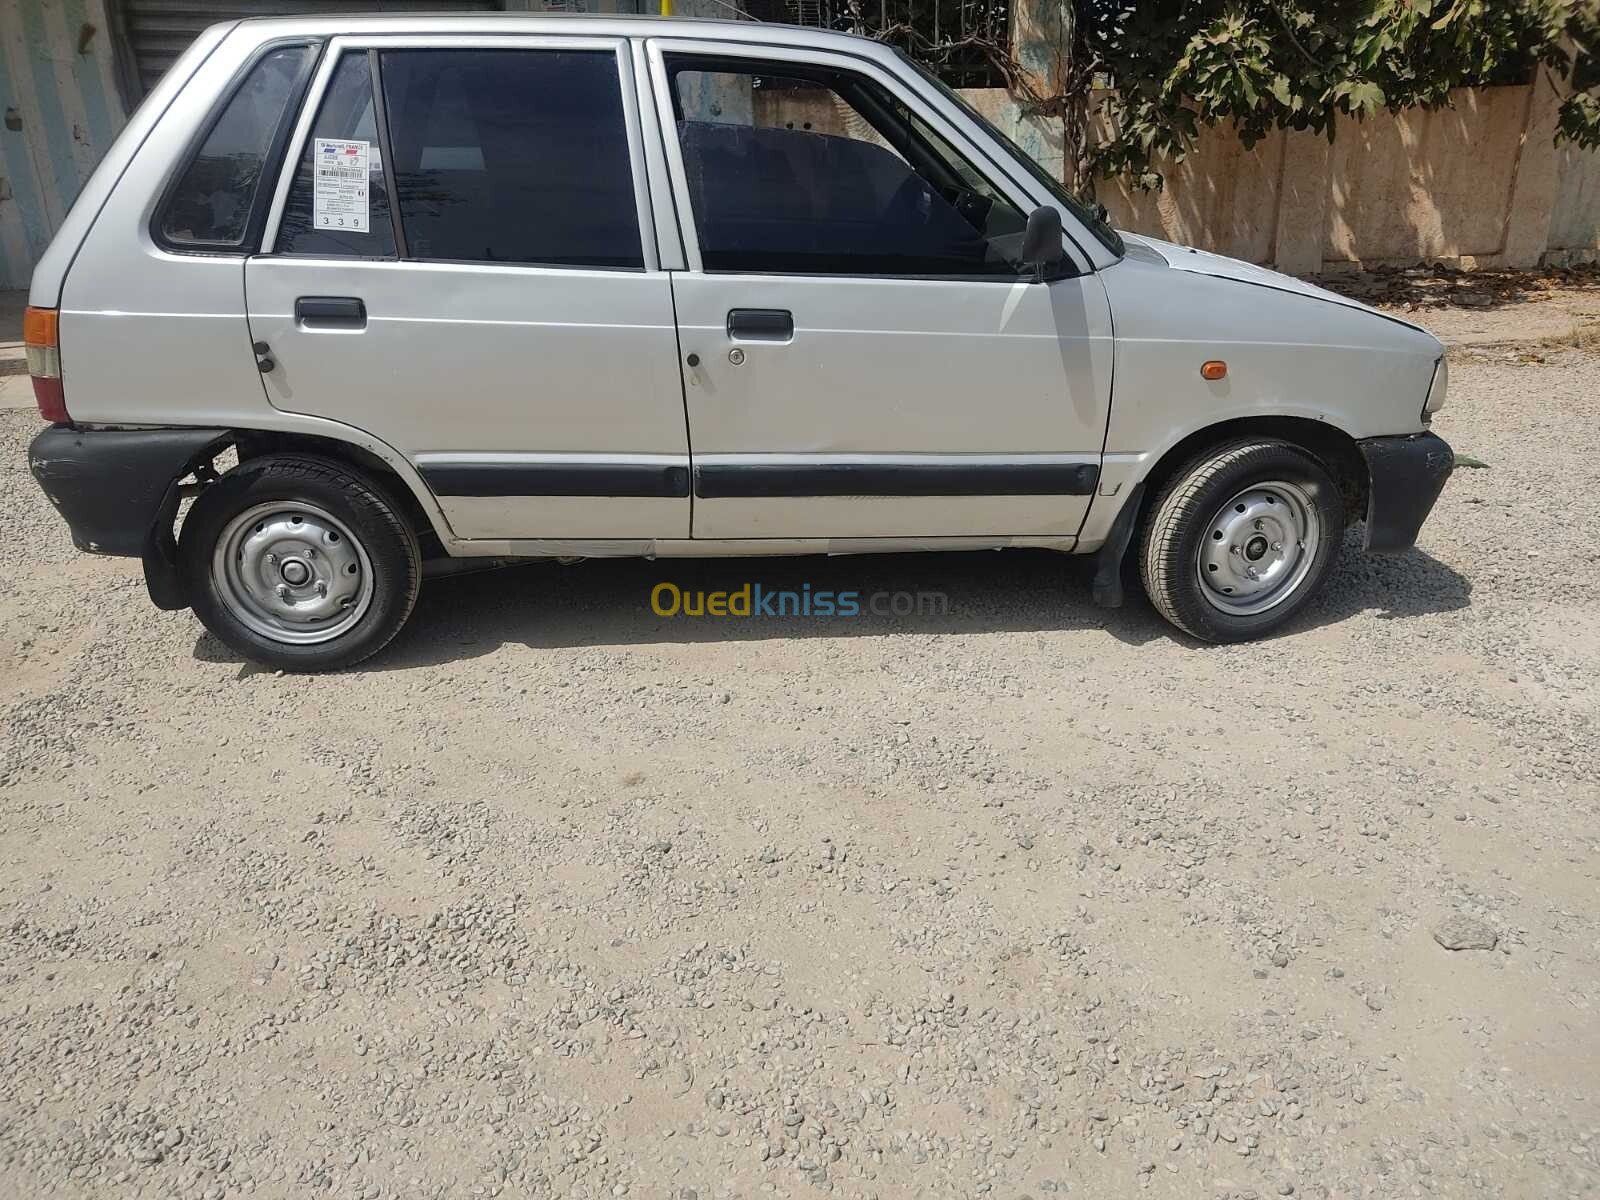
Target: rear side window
pixel 214 203
pixel 346 130
pixel 512 156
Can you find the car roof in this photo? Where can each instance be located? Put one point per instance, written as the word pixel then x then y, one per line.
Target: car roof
pixel 745 33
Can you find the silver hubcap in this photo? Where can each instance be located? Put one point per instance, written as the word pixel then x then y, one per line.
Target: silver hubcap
pixel 1259 548
pixel 292 572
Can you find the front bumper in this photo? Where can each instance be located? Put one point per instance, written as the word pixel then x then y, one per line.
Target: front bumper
pixel 1405 476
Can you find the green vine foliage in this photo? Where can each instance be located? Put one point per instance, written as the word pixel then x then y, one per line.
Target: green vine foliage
pixel 1175 66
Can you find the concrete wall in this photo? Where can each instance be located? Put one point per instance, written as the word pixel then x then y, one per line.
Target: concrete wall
pixel 1480 184
pixel 1575 218
pixel 59 111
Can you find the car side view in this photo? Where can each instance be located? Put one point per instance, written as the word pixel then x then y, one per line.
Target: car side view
pixel 503 287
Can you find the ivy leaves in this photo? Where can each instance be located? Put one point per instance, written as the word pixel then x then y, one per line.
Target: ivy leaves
pixel 1177 65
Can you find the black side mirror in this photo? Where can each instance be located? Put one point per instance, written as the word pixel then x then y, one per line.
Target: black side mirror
pixel 1041 243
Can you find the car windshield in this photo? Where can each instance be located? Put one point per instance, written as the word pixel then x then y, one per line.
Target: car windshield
pixel 1104 234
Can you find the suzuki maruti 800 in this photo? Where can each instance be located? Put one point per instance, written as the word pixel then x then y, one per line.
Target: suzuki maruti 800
pixel 509 287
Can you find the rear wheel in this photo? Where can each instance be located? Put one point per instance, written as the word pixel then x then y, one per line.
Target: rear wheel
pixel 299 563
pixel 1241 539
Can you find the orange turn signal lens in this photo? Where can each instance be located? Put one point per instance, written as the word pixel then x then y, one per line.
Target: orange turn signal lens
pixel 41 342
pixel 1214 370
pixel 40 327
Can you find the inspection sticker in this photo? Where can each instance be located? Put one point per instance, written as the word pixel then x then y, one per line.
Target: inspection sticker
pixel 341 199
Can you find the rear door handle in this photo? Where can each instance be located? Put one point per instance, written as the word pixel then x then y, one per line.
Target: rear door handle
pixel 761 325
pixel 330 312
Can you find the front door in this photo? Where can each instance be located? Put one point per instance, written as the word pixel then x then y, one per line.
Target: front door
pixel 864 354
pixel 463 269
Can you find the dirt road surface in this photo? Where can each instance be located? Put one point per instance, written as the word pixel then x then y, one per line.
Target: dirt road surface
pixel 558 897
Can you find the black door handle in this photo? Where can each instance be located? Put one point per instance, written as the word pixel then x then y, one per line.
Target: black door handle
pixel 761 325
pixel 331 312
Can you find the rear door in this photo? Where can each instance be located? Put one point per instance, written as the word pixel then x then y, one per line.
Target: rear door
pixel 461 263
pixel 864 355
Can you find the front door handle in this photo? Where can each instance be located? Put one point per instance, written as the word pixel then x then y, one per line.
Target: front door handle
pixel 330 312
pixel 761 325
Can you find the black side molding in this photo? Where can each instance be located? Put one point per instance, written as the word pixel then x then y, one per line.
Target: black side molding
pixel 1406 475
pixel 716 481
pixel 557 479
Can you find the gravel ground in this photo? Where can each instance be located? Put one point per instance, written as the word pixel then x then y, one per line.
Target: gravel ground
pixel 561 898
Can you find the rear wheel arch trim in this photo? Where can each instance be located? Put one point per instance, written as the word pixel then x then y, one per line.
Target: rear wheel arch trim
pixel 370 458
pixel 330 439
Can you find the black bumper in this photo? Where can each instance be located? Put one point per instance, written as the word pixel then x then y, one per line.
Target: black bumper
pixel 1406 475
pixel 112 485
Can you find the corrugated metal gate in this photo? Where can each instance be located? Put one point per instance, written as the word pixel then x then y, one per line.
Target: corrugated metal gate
pixel 59 112
pixel 157 31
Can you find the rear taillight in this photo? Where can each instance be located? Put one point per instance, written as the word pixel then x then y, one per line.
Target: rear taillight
pixel 41 339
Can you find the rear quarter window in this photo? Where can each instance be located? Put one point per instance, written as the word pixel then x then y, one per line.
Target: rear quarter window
pixel 216 203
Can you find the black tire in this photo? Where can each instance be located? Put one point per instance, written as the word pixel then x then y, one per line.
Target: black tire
pixel 371 517
pixel 1188 514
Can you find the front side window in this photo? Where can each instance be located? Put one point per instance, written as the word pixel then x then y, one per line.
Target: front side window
pixel 806 170
pixel 212 204
pixel 1086 214
pixel 335 209
pixel 511 156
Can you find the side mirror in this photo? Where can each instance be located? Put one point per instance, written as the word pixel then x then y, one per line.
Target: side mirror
pixel 1041 243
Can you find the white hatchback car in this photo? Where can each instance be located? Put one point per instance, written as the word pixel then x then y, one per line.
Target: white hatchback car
pixel 508 286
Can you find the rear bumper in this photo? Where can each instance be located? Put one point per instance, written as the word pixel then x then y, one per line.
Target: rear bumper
pixel 111 486
pixel 1406 475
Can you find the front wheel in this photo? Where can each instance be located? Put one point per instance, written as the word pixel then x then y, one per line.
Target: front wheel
pixel 1240 539
pixel 299 563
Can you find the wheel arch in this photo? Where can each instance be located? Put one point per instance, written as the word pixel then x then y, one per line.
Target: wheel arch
pixel 378 462
pixel 407 489
pixel 1108 532
pixel 1330 445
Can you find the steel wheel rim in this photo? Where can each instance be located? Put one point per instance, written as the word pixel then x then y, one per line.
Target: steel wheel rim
pixel 1258 548
pixel 292 572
